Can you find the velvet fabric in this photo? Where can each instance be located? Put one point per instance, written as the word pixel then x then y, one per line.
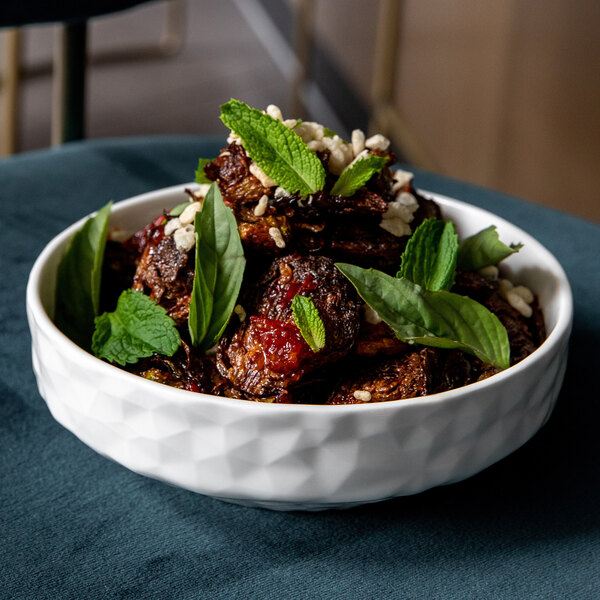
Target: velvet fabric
pixel 75 525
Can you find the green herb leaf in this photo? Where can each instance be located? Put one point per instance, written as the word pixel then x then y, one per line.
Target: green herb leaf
pixel 440 319
pixel 200 174
pixel 429 258
pixel 357 173
pixel 330 133
pixel 308 321
pixel 136 329
pixel 175 212
pixel 77 297
pixel 277 150
pixel 484 249
pixel 220 267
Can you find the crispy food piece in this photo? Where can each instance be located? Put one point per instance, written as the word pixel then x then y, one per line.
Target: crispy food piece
pixel 406 376
pixel 166 274
pixel 378 339
pixel 265 356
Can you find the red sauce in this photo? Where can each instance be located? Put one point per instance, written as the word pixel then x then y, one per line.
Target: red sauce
pixel 295 288
pixel 282 344
pixel 154 232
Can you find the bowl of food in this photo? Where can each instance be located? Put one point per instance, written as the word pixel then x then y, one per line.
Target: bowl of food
pixel 287 344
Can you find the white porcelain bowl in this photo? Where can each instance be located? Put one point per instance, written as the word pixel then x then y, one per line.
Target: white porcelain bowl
pixel 307 457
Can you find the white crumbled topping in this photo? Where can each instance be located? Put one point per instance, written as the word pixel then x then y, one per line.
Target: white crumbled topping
pixel 401 180
pixel 172 225
pixel 261 175
pixel 189 213
pixel 234 138
pixel 362 395
pixel 371 316
pixel 309 131
pixel 517 302
pixel 358 141
pixel 240 312
pixel 280 193
pixel 316 145
pixel 290 123
pixel 185 238
pixel 202 189
pixel 490 272
pixel 261 207
pixel 275 233
pixel 274 111
pixel 377 142
pixel 399 214
pixel 519 297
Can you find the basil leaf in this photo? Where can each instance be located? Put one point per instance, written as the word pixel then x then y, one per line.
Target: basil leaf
pixel 219 271
pixel 429 258
pixel 200 175
pixel 357 173
pixel 77 296
pixel 484 249
pixel 440 319
pixel 175 212
pixel 307 319
pixel 136 329
pixel 277 150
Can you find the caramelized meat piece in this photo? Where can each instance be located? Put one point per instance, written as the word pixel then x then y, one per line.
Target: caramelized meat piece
pixel 407 376
pixel 231 171
pixel 378 339
pixel 265 356
pixel 166 274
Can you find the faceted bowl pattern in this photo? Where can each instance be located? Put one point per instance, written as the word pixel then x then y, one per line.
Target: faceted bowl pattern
pixel 300 457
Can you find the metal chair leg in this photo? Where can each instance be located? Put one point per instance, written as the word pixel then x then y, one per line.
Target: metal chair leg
pixel 9 99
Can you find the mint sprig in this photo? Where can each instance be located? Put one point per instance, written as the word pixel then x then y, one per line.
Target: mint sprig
pixel 138 328
pixel 483 250
pixel 357 173
pixel 200 174
pixel 77 297
pixel 219 270
pixel 277 150
pixel 429 258
pixel 440 319
pixel 307 319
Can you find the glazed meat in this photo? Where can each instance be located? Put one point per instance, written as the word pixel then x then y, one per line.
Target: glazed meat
pixel 265 356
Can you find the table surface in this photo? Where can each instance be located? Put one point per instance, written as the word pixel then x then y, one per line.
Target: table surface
pixel 76 525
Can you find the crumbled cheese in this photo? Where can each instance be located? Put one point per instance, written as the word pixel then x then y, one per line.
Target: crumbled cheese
pixel 261 207
pixel 399 214
pixel 189 213
pixel 371 316
pixel 308 131
pixel 377 142
pixel 274 111
pixel 261 175
pixel 275 234
pixel 240 312
pixel 358 141
pixel 280 193
pixel 234 138
pixel 290 123
pixel 316 145
pixel 185 238
pixel 524 292
pixel 519 297
pixel 362 395
pixel 490 272
pixel 403 177
pixel 172 225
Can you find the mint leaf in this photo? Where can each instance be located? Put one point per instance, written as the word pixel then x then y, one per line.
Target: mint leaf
pixel 440 319
pixel 136 329
pixel 200 174
pixel 307 319
pixel 219 271
pixel 484 249
pixel 357 173
pixel 77 296
pixel 429 258
pixel 277 150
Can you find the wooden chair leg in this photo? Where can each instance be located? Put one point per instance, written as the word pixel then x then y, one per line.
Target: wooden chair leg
pixel 68 94
pixel 9 99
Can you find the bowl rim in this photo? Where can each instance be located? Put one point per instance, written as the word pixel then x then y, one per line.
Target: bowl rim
pixel 38 317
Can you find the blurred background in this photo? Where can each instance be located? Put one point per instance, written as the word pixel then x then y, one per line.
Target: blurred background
pixel 502 94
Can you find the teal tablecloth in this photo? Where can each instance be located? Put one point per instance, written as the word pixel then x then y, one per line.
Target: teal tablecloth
pixel 75 525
